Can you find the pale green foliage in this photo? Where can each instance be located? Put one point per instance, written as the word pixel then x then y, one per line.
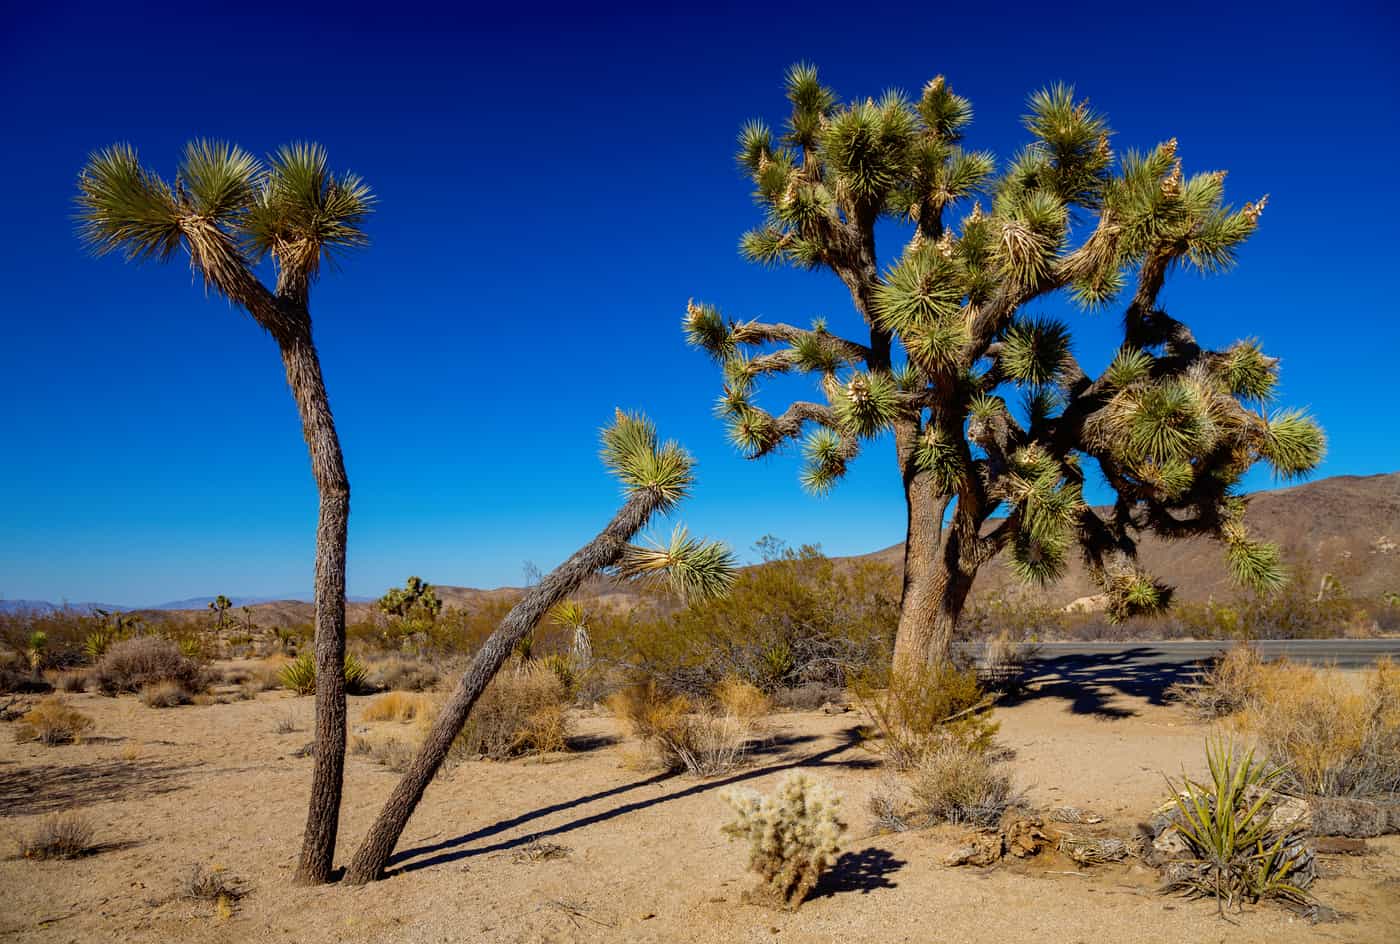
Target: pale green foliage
pixel 299 675
pixel 694 569
pixel 794 835
pixel 1226 826
pixel 633 453
pixel 867 403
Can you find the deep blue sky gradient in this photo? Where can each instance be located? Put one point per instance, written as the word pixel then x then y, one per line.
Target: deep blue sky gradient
pixel 552 189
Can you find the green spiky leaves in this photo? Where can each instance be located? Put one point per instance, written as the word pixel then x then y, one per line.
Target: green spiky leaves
pixel 922 292
pixel 1257 565
pixel 867 403
pixel 706 328
pixel 937 454
pixel 124 207
pixel 633 453
pixel 1034 351
pixel 305 213
pixel 1134 593
pixel 943 112
pixel 826 454
pixel 221 179
pixel 866 148
pixel 1129 366
pixel 1248 372
pixel 1293 443
pixel 1047 507
pixel 694 569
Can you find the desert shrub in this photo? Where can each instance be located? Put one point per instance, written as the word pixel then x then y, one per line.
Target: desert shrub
pixel 132 664
pixel 53 721
pixel 793 835
pixel 287 724
pixel 520 712
pixel 1225 686
pixel 165 695
pixel 397 706
pixel 889 806
pixel 565 670
pixel 402 674
pixel 74 682
pixel 1331 736
pixel 797 618
pixel 16 677
pixel 955 782
pixel 393 753
pixel 679 735
pixel 809 697
pixel 201 883
pixel 299 674
pixel 61 836
pixel 913 711
pixel 1001 663
pixel 742 700
pixel 1226 827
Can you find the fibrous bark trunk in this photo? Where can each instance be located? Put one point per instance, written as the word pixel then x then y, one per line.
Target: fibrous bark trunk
pixel 328 467
pixel 603 551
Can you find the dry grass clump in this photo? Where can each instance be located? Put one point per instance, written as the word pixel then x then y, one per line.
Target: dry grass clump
pixel 1333 737
pixel 793 835
pixel 53 721
pixel 809 697
pixel 132 664
pixel 1001 665
pixel 201 883
pixel 1226 685
pixel 955 782
pixel 913 711
pixel 397 706
pixel 742 700
pixel 165 695
pixel 680 736
pixel 521 712
pixel 61 836
pixel 400 674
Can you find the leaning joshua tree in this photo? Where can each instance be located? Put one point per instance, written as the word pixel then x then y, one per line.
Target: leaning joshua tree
pixel 229 212
pixel 655 477
pixel 986 407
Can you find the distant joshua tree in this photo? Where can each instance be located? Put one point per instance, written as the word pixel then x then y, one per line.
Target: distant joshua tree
pixel 220 606
pixel 656 477
pixel 988 409
pixel 229 211
pixel 413 607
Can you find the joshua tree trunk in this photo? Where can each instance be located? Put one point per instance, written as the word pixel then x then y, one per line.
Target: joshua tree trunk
pixel 328 467
pixel 603 551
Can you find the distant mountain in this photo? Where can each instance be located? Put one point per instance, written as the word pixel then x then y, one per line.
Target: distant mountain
pixel 202 603
pixel 44 606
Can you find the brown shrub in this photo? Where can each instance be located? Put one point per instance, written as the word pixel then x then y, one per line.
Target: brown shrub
pixel 75 683
pixel 164 695
pixel 402 674
pixel 61 836
pixel 394 753
pixel 1225 686
pixel 132 664
pixel 53 721
pixel 915 711
pixel 678 736
pixel 742 700
pixel 958 783
pixel 809 697
pixel 521 712
pixel 201 883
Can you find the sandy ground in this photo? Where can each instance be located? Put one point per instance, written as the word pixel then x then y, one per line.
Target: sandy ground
pixel 645 862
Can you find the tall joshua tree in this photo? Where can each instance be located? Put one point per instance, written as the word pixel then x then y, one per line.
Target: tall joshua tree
pixel 655 478
pixel 229 211
pixel 988 410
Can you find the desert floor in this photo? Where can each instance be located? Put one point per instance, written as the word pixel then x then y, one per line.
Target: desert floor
pixel 645 860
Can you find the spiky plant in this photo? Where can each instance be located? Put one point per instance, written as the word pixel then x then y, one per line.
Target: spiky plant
pixel 230 211
pixel 655 477
pixel 949 333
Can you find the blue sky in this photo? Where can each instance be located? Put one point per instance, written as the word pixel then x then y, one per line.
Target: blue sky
pixel 552 189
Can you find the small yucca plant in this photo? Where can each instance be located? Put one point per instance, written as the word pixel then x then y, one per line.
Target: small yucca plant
pixel 1226 826
pixel 299 675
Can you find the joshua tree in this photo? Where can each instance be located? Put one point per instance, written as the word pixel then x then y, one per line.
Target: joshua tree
pixel 219 606
pixel 229 211
pixel 413 607
pixel 655 477
pixel 987 409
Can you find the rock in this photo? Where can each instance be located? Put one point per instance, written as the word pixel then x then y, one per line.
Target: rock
pixel 1170 845
pixel 981 848
pixel 1290 815
pixel 1358 819
pixel 1336 845
pixel 1024 837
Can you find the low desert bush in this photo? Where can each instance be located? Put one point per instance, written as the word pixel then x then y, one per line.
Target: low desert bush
pixel 1001 663
pixel 1225 686
pixel 132 664
pixel 393 753
pixel 793 836
pixel 912 711
pixel 401 674
pixel 808 697
pixel 521 712
pixel 678 735
pixel 397 706
pixel 299 674
pixel 201 883
pixel 955 782
pixel 1333 735
pixel 74 682
pixel 53 721
pixel 165 695
pixel 22 680
pixel 1226 827
pixel 61 836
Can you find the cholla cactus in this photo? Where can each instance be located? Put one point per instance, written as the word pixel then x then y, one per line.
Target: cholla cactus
pixel 994 422
pixel 793 835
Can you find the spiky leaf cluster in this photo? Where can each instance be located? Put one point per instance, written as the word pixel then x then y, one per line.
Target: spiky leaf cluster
pixel 694 569
pixel 632 452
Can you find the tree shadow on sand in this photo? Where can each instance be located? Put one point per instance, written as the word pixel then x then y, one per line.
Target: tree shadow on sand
pixel 1089 682
pixel 49 788
pixel 452 850
pixel 862 872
